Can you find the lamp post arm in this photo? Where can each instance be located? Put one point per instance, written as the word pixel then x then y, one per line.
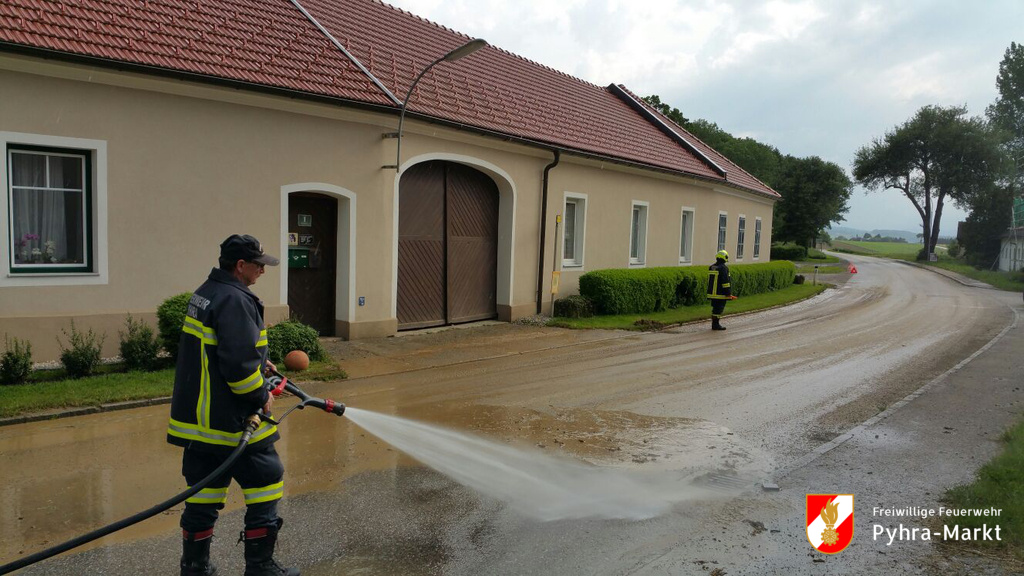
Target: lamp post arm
pixel 405 104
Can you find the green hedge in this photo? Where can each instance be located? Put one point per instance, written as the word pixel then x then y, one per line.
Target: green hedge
pixel 788 252
pixel 640 290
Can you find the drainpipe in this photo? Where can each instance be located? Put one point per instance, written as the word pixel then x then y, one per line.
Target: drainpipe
pixel 543 231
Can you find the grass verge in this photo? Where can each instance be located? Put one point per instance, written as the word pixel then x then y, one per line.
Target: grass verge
pixel 1000 485
pixel 1013 282
pixel 49 389
pixel 657 320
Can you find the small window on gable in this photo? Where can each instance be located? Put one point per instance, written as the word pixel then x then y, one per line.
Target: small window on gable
pixel 686 237
pixel 574 227
pixel 638 234
pixel 50 200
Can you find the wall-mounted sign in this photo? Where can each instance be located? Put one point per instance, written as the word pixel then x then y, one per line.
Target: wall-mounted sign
pixel 305 239
pixel 293 239
pixel 305 220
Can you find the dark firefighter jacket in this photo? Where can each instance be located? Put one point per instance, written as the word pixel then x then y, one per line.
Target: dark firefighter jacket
pixel 219 377
pixel 719 285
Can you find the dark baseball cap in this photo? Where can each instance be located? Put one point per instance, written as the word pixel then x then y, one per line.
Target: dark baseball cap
pixel 245 247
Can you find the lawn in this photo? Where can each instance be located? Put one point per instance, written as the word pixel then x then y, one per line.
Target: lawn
pixel 1000 485
pixel 900 250
pixel 655 320
pixel 48 389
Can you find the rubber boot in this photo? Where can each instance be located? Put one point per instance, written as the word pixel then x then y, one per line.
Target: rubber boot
pixel 259 552
pixel 195 553
pixel 716 324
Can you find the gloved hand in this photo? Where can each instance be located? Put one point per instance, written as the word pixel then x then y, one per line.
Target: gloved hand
pixel 732 297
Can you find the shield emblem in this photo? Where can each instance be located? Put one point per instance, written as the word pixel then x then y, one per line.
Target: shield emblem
pixel 830 522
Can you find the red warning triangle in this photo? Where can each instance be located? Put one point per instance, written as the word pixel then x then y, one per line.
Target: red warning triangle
pixel 852 268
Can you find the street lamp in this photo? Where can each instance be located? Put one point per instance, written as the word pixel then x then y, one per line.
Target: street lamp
pixel 464 50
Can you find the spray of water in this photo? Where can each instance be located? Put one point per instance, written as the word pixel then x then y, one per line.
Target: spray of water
pixel 533 483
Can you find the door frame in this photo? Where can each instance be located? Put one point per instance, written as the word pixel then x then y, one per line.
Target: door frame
pixel 345 288
pixel 506 224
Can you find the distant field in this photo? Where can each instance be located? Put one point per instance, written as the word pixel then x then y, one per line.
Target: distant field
pixel 891 249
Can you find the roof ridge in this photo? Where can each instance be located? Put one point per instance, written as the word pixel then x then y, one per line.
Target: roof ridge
pixel 703 143
pixel 498 48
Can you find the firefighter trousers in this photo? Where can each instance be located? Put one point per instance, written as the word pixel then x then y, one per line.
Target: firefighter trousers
pixel 258 471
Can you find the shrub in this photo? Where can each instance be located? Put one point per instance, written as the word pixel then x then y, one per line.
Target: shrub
pixel 294 335
pixel 953 249
pixel 638 291
pixel 170 318
pixel 574 306
pixel 16 363
pixel 788 252
pixel 84 353
pixel 139 345
pixel 798 279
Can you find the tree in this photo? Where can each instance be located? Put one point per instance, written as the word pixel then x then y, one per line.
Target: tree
pixel 815 193
pixel 760 160
pixel 938 154
pixel 1007 113
pixel 990 212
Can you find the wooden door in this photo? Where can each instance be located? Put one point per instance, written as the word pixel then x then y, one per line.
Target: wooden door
pixel 312 291
pixel 421 254
pixel 472 244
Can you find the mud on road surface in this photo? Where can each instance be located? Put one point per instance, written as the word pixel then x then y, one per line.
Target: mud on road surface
pixel 730 407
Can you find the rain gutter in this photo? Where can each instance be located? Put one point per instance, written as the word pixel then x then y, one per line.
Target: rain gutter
pixel 543 231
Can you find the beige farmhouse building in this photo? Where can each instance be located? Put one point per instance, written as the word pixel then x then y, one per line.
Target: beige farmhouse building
pixel 136 136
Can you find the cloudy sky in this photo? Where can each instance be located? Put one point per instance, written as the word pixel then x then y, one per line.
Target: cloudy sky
pixel 812 77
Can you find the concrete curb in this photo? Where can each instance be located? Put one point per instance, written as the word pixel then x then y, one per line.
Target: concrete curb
pixel 68 413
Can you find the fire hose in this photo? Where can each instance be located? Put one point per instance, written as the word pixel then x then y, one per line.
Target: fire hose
pixel 276 384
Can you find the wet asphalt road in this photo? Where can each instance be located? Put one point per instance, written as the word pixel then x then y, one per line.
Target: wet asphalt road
pixel 734 408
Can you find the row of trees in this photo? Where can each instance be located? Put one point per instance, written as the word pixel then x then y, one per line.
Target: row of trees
pixel 941 154
pixel 815 192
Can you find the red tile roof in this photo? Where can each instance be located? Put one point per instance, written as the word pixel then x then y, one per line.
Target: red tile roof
pixel 251 41
pixel 271 43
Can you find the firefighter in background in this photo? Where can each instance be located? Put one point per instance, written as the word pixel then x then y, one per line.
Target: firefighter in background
pixel 719 288
pixel 218 382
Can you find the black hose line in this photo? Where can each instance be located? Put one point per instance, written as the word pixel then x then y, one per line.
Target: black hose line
pixel 251 424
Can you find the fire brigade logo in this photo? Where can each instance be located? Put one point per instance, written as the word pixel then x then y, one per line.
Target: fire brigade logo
pixel 830 522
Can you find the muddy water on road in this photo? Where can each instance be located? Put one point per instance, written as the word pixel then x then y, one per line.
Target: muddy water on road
pixel 686 401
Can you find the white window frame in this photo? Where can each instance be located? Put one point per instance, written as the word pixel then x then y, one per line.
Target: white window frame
pixel 579 229
pixel 686 234
pixel 757 238
pixel 97 150
pixel 741 235
pixel 723 233
pixel 641 259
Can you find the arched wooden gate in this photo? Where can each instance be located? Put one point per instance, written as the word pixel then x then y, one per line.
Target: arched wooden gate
pixel 447 245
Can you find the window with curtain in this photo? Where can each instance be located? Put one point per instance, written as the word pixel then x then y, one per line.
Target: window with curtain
pixel 757 238
pixel 573 238
pixel 741 237
pixel 638 235
pixel 686 236
pixel 49 199
pixel 723 220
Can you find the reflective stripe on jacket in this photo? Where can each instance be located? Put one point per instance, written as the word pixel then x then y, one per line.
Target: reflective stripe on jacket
pixel 719 285
pixel 218 381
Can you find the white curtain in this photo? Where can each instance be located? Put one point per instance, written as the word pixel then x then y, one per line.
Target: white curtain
pixel 39 213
